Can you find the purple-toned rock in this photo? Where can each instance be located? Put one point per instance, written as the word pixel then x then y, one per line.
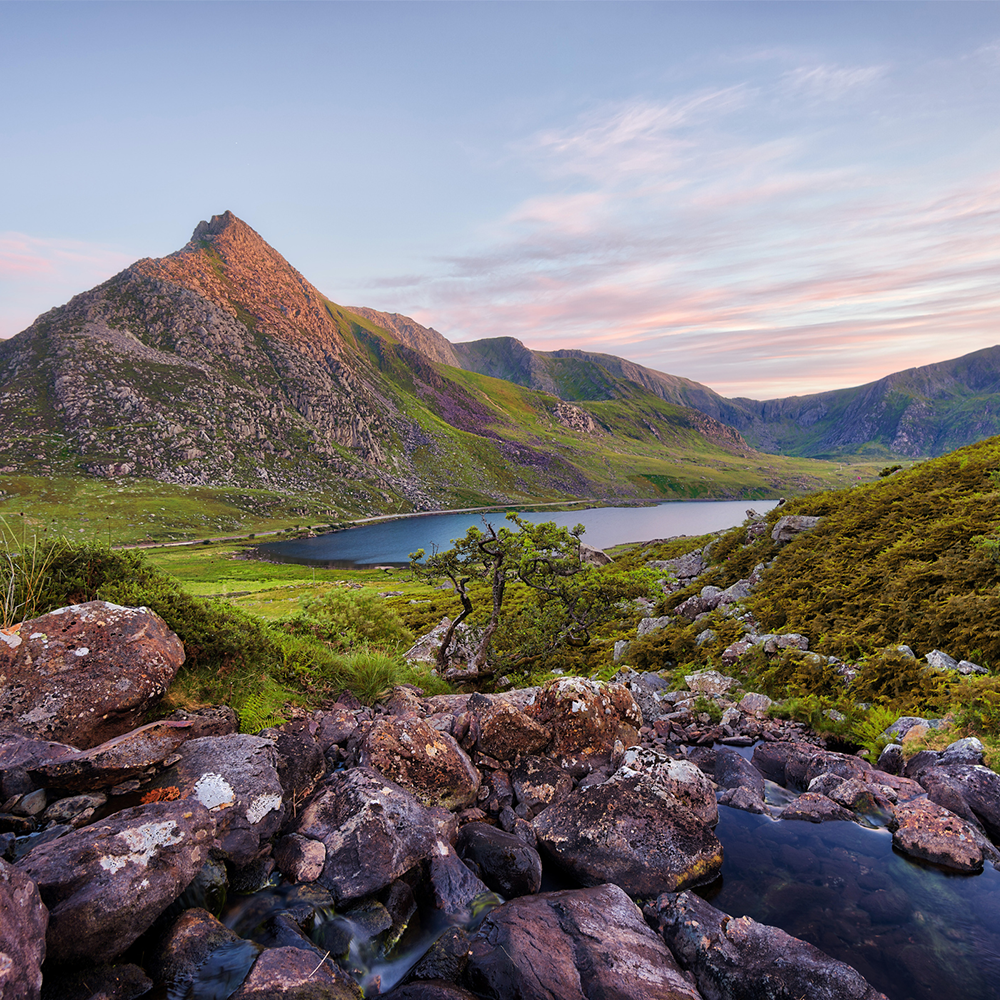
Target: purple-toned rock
pixel 816 808
pixel 579 944
pixel 679 781
pixel 373 831
pixel 104 885
pixel 454 885
pixel 631 833
pixel 121 759
pixel 299 760
pixel 336 727
pixel 538 782
pixel 736 958
pixel 211 720
pixel 86 673
pixel 732 770
pixel 300 859
pixel 293 974
pixel 23 921
pixel 180 958
pixel 501 730
pixel 929 831
pixel 427 763
pixel 236 779
pixel 980 788
pixel 502 860
pixel 585 718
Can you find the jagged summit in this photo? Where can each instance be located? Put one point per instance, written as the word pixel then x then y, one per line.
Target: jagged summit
pixel 218 224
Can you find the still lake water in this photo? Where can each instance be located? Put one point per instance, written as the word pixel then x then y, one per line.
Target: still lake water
pixel 391 542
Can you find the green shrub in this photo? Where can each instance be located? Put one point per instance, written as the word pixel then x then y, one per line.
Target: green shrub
pixel 978 706
pixel 867 730
pixel 347 618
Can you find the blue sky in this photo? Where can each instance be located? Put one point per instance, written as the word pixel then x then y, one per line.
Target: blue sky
pixel 767 198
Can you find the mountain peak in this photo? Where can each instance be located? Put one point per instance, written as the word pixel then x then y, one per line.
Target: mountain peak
pixel 234 266
pixel 219 224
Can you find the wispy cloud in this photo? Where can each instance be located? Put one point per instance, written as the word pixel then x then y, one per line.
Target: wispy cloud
pixel 763 261
pixel 58 268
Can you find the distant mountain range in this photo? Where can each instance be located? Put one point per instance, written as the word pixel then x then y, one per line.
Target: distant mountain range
pixel 918 412
pixel 221 365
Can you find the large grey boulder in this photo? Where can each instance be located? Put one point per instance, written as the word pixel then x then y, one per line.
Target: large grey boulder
pixel 86 673
pixel 736 958
pixel 579 944
pixel 104 885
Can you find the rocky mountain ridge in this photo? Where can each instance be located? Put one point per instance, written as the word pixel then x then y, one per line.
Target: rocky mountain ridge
pixel 222 364
pixel 922 411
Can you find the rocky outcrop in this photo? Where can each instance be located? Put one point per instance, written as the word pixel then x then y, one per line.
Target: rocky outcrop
pixel 736 958
pixel 574 945
pixel 86 673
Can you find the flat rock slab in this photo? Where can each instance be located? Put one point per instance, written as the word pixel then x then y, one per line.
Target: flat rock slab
pixel 630 833
pixel 373 831
pixel 23 922
pixel 579 944
pixel 816 808
pixel 736 958
pixel 106 884
pixel 86 673
pixel 236 778
pixel 120 759
pixel 427 763
pixel 929 831
pixel 293 974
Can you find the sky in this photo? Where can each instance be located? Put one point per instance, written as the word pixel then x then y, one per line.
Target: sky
pixel 769 198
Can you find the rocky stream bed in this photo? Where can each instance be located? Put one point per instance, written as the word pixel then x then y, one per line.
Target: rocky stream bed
pixel 579 840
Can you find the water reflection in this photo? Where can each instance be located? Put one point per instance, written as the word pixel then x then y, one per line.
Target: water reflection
pixel 914 931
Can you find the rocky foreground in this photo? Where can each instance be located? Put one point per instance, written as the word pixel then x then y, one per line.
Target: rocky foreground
pixel 400 849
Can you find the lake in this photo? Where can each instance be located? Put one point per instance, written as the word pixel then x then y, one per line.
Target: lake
pixel 391 542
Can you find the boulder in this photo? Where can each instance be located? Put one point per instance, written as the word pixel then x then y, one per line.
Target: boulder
pixel 678 781
pixel 299 759
pixel 732 770
pixel 585 718
pixel 929 831
pixel 710 682
pixel 86 673
pixel 501 730
pixel 736 958
pixel 180 959
pixel 429 989
pixel 578 944
pixel 427 763
pixel 455 886
pixel 502 860
pixel 372 830
pixel 300 859
pixel 816 808
pixel 788 527
pixel 685 567
pixel 23 922
pixel 538 782
pixel 631 833
pixel 236 779
pixel 647 625
pixel 104 885
pixel 980 788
